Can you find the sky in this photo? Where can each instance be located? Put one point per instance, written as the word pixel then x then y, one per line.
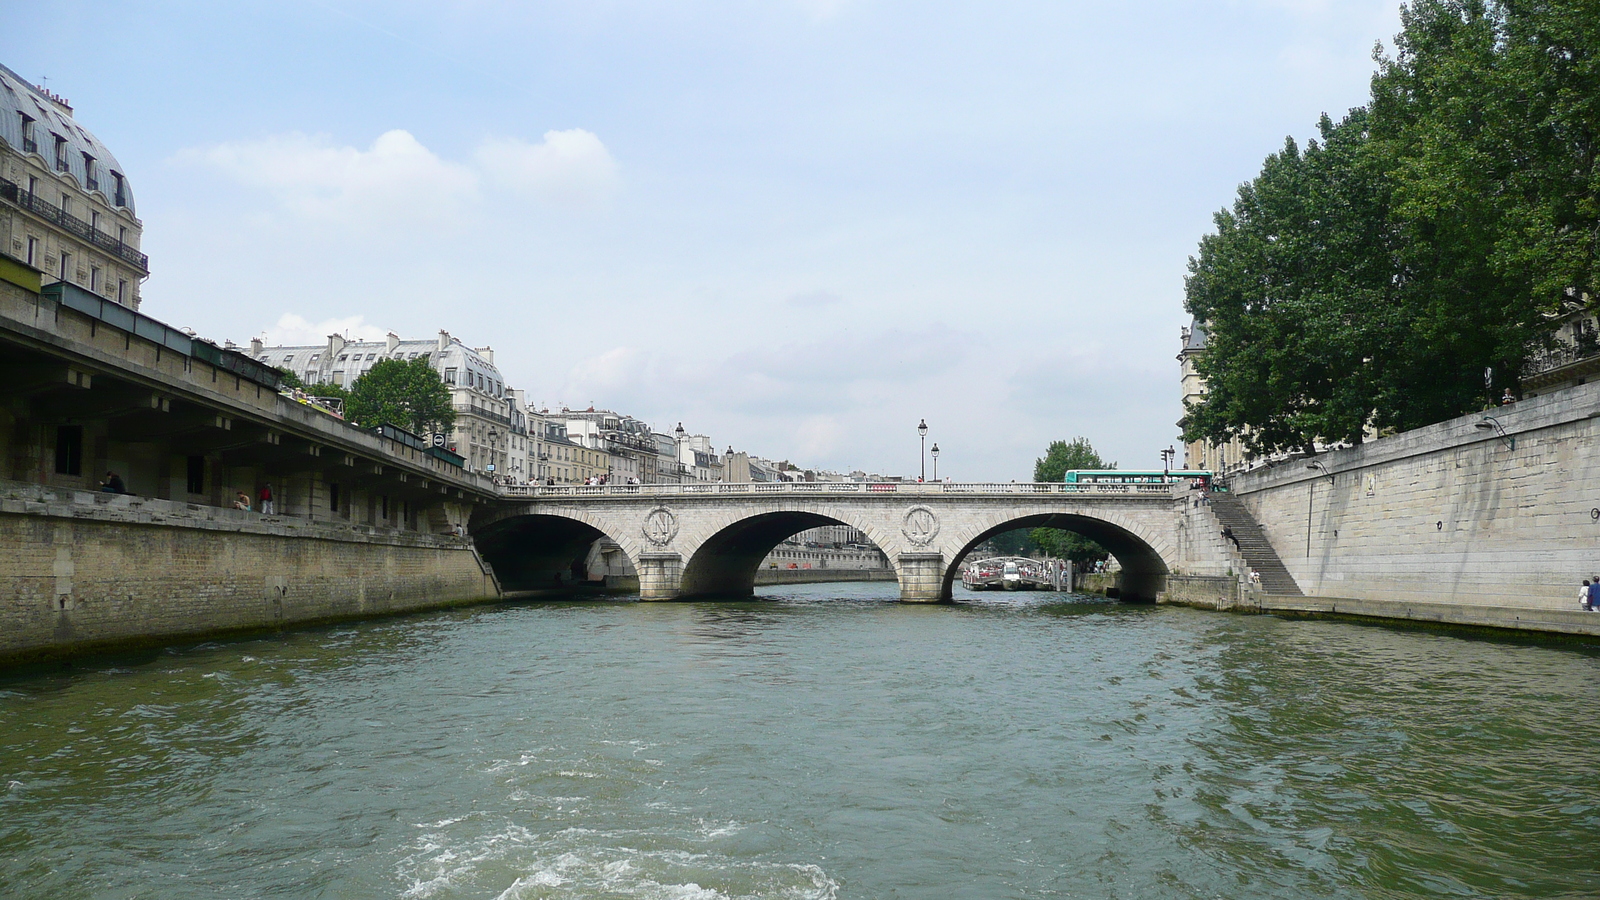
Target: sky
pixel 798 226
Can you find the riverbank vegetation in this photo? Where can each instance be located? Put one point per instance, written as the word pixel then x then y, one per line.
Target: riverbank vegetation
pixel 1399 268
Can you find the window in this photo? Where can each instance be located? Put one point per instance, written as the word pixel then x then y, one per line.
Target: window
pixel 122 234
pixel 33 185
pixel 69 450
pixel 66 260
pixel 333 498
pixel 343 357
pixel 288 357
pixel 94 220
pixel 122 292
pixel 94 279
pixel 372 356
pixel 197 474
pixel 90 180
pixel 449 376
pixel 29 144
pixel 121 198
pixel 33 252
pixel 66 203
pixel 61 152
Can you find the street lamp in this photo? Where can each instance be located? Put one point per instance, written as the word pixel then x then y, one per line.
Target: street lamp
pixel 1168 456
pixel 935 453
pixel 493 437
pixel 922 432
pixel 1311 492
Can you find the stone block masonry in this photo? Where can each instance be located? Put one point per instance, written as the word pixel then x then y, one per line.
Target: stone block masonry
pixel 83 571
pixel 1451 515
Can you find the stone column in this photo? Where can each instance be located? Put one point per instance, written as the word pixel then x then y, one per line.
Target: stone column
pixel 660 576
pixel 922 577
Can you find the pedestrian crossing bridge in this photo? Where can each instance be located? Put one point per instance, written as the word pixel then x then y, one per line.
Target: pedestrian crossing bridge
pixel 707 539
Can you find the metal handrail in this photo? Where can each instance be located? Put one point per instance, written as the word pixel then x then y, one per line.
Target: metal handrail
pixel 811 488
pixel 33 203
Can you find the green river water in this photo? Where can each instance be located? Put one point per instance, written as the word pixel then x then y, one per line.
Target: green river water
pixel 823 742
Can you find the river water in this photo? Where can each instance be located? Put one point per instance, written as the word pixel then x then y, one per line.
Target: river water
pixel 824 742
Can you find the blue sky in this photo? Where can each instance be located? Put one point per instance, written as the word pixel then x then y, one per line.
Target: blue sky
pixel 798 226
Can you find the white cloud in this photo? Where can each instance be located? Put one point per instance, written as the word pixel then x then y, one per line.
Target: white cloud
pixel 814 300
pixel 569 167
pixel 397 179
pixel 294 330
pixel 317 179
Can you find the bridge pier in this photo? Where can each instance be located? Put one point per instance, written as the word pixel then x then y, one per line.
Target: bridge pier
pixel 922 577
pixel 660 576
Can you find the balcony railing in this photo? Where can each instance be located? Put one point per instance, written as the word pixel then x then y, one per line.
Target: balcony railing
pixel 44 209
pixel 1555 359
pixel 1153 492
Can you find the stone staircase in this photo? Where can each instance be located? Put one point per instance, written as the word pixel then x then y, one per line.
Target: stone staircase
pixel 1253 546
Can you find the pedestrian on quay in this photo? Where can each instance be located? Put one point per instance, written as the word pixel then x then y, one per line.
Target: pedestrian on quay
pixel 1583 596
pixel 242 501
pixel 267 507
pixel 113 484
pixel 1594 594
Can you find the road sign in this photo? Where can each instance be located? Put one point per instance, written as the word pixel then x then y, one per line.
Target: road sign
pixel 439 438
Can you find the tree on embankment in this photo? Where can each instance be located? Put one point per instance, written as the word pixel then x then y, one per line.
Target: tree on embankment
pixel 1058 459
pixel 1372 278
pixel 404 392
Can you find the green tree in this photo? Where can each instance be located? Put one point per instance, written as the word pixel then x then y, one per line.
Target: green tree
pixel 407 393
pixel 1297 294
pixel 1058 458
pixel 1370 279
pixel 288 379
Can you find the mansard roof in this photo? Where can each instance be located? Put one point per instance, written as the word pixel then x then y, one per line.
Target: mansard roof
pixel 18 98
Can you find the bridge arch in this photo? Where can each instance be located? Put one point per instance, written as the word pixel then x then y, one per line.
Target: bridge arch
pixel 1144 566
pixel 530 551
pixel 725 561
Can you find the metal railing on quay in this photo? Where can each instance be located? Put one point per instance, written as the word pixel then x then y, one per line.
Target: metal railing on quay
pixel 810 488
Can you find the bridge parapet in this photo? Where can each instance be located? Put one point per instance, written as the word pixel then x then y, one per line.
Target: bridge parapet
pixel 1152 492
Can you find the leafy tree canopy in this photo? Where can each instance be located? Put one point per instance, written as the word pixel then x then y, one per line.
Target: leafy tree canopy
pixel 1058 459
pixel 407 393
pixel 1369 279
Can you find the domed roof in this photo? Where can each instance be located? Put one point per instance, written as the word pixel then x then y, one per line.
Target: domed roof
pixel 17 96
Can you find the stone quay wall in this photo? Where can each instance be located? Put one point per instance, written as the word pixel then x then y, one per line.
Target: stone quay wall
pixel 82 572
pixel 1450 516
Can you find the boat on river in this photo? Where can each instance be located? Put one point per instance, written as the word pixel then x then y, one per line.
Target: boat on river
pixel 1011 573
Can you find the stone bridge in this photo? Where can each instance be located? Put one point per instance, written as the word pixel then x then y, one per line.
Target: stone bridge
pixel 707 540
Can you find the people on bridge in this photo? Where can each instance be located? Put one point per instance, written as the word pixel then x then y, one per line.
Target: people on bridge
pixel 265 497
pixel 113 484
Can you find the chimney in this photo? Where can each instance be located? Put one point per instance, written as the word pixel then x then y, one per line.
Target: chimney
pixel 392 343
pixel 335 344
pixel 444 340
pixel 487 353
pixel 255 346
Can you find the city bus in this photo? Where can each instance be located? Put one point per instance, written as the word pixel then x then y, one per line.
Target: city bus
pixel 1194 477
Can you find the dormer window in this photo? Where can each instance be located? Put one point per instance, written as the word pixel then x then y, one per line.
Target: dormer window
pixel 90 179
pixel 61 153
pixel 29 143
pixel 121 198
